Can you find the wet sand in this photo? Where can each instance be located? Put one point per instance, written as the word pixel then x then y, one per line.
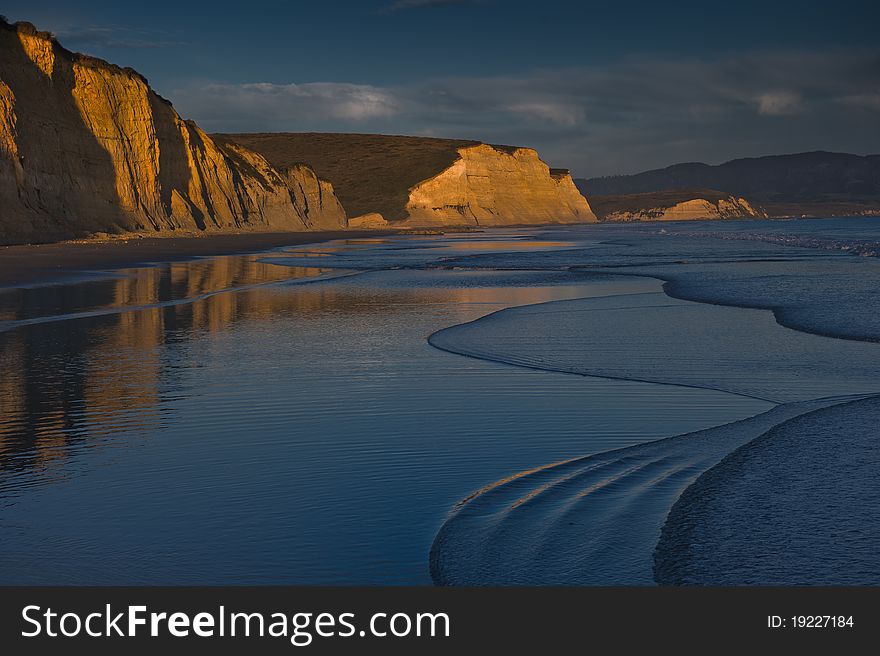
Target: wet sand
pixel 41 263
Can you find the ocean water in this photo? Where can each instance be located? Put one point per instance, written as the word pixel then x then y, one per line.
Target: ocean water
pixel 651 337
pixel 597 519
pixel 283 417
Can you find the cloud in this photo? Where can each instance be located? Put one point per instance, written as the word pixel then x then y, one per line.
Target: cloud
pixel 620 117
pixel 779 103
pixel 263 105
pixel 870 101
pixel 404 5
pixel 113 36
pixel 559 113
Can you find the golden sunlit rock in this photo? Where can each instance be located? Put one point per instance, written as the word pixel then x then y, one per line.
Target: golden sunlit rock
pixel 691 210
pixel 371 220
pixel 426 182
pixel 492 186
pixel 87 147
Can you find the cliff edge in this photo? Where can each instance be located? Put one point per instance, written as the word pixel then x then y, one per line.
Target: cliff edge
pixel 675 205
pixel 87 147
pixel 425 182
pixel 491 186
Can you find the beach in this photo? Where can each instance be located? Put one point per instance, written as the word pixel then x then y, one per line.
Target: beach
pixel 522 406
pixel 40 263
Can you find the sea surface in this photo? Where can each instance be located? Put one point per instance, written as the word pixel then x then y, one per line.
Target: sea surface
pixel 515 406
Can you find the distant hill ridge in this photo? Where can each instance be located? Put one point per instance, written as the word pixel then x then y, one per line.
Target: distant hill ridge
pixel 810 176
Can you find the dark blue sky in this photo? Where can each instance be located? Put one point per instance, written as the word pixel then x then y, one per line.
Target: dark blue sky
pixel 599 87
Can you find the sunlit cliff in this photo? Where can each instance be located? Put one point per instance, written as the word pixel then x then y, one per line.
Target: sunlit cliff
pixel 675 205
pixel 489 186
pixel 424 181
pixel 87 147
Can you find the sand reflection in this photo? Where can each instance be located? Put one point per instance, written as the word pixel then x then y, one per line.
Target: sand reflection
pixel 107 370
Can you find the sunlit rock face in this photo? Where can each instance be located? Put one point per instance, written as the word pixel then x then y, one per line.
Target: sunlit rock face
pixel 691 210
pixel 492 186
pixel 370 221
pixel 87 147
pixel 321 209
pixel 428 181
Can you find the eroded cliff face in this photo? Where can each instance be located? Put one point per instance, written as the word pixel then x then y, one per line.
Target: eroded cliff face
pixel 692 210
pixel 322 210
pixel 491 186
pixel 87 147
pixel 404 181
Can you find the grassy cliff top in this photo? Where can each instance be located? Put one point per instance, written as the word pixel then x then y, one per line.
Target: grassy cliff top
pixel 369 172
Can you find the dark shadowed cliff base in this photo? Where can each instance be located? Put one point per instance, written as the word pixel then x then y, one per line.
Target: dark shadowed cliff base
pixel 41 263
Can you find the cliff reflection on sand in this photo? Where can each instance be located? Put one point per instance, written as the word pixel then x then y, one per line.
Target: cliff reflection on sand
pixel 71 384
pixel 108 376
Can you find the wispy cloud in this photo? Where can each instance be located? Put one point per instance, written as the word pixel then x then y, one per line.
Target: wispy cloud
pixel 869 101
pixel 268 106
pixel 779 103
pixel 626 116
pixel 113 36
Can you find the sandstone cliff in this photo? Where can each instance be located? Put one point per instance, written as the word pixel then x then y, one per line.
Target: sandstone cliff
pixel 491 186
pixel 321 209
pixel 88 147
pixel 675 205
pixel 422 181
pixel 372 220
